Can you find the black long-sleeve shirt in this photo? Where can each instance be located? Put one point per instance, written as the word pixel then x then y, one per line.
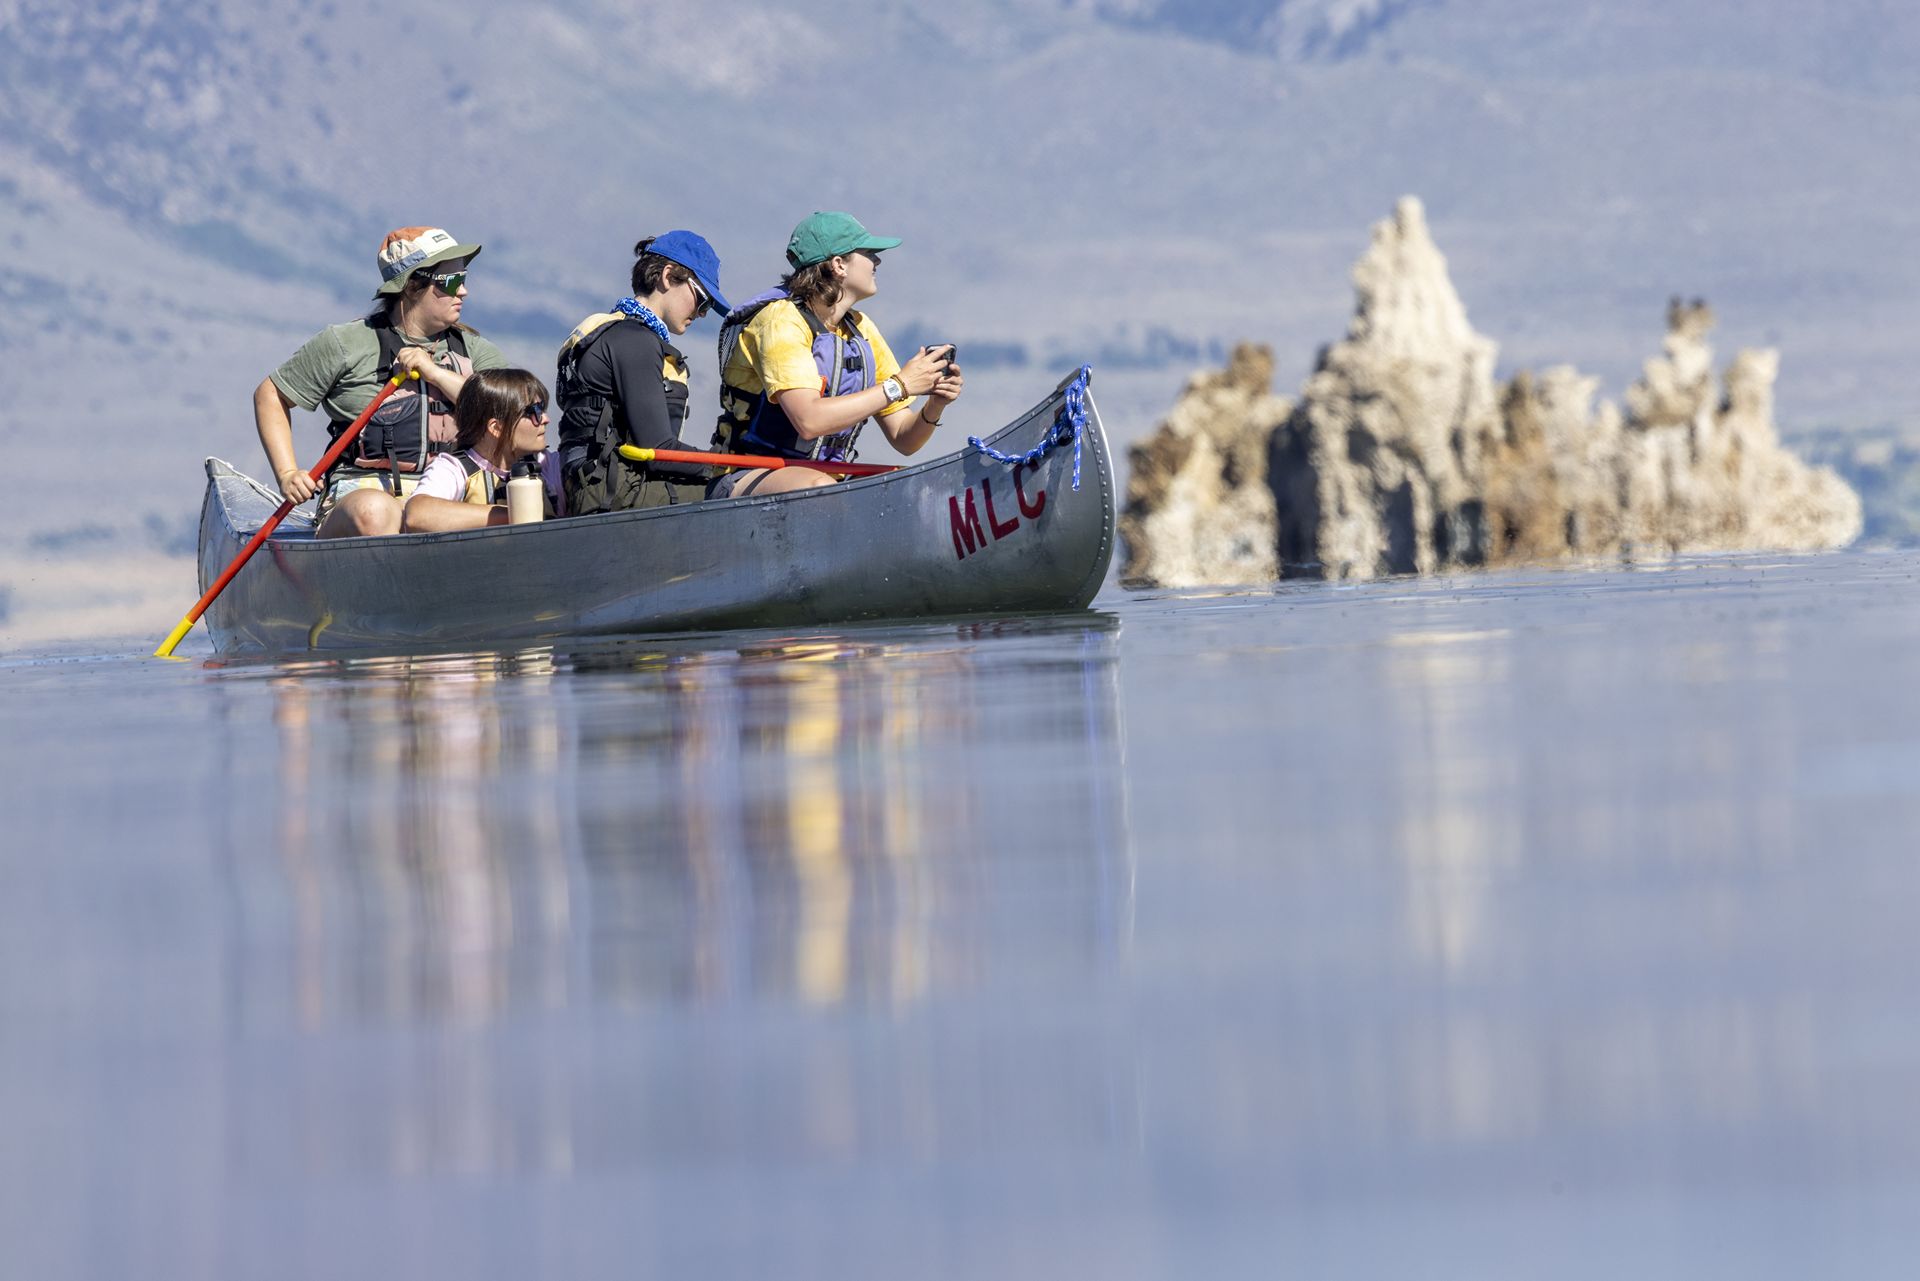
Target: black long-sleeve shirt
pixel 645 378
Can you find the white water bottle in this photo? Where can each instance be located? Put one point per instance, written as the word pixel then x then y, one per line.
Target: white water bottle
pixel 526 497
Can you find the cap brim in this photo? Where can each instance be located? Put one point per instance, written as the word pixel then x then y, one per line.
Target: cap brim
pixel 716 299
pixel 868 241
pixel 399 282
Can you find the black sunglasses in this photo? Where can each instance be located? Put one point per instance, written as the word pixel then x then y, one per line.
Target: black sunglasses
pixel 534 412
pixel 447 282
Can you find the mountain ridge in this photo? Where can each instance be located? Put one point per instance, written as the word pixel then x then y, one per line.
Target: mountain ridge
pixel 202 185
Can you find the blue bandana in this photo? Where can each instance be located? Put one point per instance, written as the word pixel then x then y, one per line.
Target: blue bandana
pixel 644 314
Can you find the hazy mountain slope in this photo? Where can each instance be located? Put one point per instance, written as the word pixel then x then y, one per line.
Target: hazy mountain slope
pixel 188 189
pixel 1864 46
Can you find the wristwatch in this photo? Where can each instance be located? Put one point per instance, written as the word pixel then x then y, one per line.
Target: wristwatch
pixel 894 389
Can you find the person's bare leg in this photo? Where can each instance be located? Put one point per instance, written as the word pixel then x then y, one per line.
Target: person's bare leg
pixel 360 513
pixel 786 480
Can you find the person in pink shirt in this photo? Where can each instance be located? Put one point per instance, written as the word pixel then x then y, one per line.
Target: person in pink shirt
pixel 500 418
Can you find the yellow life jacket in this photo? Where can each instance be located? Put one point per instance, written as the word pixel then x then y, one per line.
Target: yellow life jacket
pixel 483 487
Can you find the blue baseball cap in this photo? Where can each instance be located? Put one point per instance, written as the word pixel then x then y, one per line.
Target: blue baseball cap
pixel 694 253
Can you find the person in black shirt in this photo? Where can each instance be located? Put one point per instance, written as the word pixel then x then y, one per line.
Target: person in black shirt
pixel 621 381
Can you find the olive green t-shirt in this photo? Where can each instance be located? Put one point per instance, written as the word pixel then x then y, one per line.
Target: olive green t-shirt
pixel 337 370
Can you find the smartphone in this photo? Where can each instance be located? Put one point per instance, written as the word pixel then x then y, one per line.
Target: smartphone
pixel 953 353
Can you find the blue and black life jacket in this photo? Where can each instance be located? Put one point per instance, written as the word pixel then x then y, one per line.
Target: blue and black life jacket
pixel 754 423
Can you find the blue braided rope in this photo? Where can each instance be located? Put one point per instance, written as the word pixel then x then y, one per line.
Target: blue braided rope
pixel 644 314
pixel 1069 423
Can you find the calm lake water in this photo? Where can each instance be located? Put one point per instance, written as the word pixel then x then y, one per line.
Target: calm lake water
pixel 1546 924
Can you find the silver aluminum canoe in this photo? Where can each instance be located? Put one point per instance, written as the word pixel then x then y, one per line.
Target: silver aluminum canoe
pixel 960 534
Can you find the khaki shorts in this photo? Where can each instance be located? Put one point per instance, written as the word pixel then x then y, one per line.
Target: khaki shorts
pixel 730 484
pixel 345 480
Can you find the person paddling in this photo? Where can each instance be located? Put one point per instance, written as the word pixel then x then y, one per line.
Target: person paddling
pixel 802 371
pixel 500 419
pixel 621 381
pixel 423 273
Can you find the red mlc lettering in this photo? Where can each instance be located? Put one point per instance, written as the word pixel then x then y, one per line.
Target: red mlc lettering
pixel 967 528
pixel 993 522
pixel 1039 504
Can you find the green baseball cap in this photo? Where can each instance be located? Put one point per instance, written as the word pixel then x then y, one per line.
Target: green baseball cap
pixel 828 235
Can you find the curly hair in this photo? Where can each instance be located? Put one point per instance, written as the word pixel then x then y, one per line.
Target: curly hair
pixel 812 285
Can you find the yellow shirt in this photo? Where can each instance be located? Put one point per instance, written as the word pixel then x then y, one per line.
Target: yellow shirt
pixel 775 354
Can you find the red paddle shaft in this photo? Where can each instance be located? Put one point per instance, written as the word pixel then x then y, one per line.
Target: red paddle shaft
pixel 327 460
pixel 753 461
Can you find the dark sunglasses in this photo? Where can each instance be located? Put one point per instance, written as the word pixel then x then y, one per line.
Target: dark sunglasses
pixel 535 412
pixel 448 282
pixel 869 255
pixel 702 303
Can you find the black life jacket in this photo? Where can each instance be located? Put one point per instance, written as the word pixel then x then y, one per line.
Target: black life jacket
pixel 588 419
pixel 391 438
pixel 754 423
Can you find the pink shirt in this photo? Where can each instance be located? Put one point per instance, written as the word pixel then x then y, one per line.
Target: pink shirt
pixel 446 478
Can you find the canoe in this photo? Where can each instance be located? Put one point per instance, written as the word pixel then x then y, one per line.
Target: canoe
pixel 962 534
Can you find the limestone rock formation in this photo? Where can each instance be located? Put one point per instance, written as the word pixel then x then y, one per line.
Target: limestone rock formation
pixel 1402 455
pixel 1199 507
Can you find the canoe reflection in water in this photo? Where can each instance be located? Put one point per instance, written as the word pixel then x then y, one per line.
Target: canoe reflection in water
pixel 535 846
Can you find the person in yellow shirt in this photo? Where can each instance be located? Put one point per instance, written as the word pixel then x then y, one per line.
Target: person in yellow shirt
pixel 802 371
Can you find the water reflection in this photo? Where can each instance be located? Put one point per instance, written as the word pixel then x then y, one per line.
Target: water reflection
pixel 420 871
pixel 1554 927
pixel 623 829
pixel 1458 901
pixel 1456 697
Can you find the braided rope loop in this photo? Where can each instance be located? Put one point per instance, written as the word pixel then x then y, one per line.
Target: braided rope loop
pixel 1069 422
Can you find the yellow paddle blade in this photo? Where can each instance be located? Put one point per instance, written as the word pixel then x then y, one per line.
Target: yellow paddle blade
pixel 174 637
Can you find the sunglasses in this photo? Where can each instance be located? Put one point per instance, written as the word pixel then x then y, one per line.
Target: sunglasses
pixel 535 412
pixel 869 255
pixel 702 303
pixel 448 282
